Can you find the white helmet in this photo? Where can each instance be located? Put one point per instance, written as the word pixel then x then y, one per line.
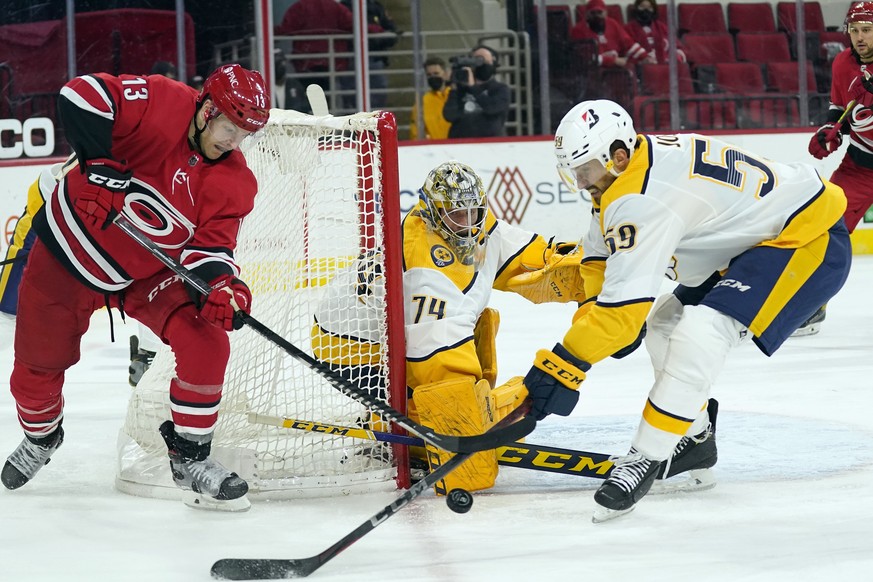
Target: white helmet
pixel 587 132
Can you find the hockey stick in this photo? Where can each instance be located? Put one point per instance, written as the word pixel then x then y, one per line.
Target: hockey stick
pixel 456 444
pixel 522 455
pixel 832 133
pixel 277 569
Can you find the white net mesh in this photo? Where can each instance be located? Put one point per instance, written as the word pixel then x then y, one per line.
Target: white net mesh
pixel 316 211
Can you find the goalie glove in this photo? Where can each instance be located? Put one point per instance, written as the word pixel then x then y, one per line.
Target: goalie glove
pixel 228 295
pixel 557 279
pixel 101 199
pixel 553 382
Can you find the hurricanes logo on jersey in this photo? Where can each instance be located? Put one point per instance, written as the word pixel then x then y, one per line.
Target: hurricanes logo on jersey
pixel 442 257
pixel 156 217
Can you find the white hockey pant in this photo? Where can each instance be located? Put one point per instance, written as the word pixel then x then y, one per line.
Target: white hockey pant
pixel 690 357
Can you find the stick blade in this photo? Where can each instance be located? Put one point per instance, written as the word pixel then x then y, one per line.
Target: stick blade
pixel 255 569
pixel 317 100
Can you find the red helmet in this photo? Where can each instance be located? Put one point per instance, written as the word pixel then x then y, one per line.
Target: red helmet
pixel 239 94
pixel 860 12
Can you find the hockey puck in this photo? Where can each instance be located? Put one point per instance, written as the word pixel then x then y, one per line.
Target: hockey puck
pixel 459 500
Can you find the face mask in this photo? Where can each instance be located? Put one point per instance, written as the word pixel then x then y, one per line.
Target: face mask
pixel 483 72
pixel 597 24
pixel 645 17
pixel 435 83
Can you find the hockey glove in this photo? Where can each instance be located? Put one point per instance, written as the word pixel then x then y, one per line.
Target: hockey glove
pixel 861 90
pixel 228 295
pixel 102 197
pixel 557 278
pixel 553 382
pixel 825 141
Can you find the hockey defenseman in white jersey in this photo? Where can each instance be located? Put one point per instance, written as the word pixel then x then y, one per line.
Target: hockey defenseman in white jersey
pixel 757 246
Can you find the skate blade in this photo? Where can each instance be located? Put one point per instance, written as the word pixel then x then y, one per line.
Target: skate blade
pixel 811 329
pixel 697 480
pixel 602 514
pixel 200 501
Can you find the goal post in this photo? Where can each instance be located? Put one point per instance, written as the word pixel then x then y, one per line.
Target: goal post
pixel 328 193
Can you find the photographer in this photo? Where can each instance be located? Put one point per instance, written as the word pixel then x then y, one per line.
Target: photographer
pixel 478 103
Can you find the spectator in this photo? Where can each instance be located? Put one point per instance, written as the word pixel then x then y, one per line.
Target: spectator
pixel 378 21
pixel 289 93
pixel 478 103
pixel 651 33
pixel 432 102
pixel 309 17
pixel 617 48
pixel 164 68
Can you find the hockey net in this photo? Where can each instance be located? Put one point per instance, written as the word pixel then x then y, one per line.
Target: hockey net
pixel 328 193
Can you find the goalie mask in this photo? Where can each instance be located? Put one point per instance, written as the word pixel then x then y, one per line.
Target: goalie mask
pixel 455 208
pixel 587 133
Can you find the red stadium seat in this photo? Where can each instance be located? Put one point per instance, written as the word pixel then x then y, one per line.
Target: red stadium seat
pixel 652 107
pixel 782 77
pixel 752 17
pixel 703 17
pixel 761 47
pixel 709 48
pixel 813 19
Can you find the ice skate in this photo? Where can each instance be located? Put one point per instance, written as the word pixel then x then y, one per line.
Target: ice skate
pixel 694 455
pixel 812 325
pixel 140 361
pixel 206 483
pixel 631 478
pixel 28 458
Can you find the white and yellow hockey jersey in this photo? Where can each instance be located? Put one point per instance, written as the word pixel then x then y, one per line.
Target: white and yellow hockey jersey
pixel 443 298
pixel 685 206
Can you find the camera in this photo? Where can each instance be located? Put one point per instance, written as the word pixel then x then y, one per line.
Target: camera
pixel 459 75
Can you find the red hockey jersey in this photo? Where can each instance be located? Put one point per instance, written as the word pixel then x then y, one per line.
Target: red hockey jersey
pixel 189 206
pixel 846 69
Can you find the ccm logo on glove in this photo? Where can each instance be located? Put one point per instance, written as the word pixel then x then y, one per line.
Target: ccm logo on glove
pixel 556 369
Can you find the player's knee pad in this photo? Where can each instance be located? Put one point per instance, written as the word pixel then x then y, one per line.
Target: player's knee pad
pixel 201 349
pixel 660 323
pixel 485 337
pixel 459 406
pixel 700 343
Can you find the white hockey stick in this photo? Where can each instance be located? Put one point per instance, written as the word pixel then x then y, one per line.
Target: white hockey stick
pixel 317 100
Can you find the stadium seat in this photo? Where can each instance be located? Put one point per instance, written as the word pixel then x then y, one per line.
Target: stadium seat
pixel 752 17
pixel 709 48
pixel 703 17
pixel 782 77
pixel 740 78
pixel 762 47
pixel 652 106
pixel 813 19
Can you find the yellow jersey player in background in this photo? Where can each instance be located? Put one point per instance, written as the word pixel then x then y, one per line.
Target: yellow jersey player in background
pixel 454 253
pixel 756 245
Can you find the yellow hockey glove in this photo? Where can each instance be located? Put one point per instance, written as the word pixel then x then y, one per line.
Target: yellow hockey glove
pixel 558 281
pixel 553 382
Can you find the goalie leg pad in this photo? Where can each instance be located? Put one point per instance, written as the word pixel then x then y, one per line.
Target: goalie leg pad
pixel 460 406
pixel 485 337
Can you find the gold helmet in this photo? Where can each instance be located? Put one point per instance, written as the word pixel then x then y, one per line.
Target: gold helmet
pixel 455 208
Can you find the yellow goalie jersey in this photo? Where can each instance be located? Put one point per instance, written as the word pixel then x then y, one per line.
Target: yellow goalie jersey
pixel 443 298
pixel 685 206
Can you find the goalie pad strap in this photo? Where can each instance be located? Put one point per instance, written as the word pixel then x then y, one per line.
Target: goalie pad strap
pixel 459 406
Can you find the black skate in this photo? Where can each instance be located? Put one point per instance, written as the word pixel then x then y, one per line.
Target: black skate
pixel 695 452
pixel 206 483
pixel 28 458
pixel 631 478
pixel 812 325
pixel 140 361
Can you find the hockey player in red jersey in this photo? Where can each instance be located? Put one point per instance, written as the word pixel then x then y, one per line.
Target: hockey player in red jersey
pixel 166 158
pixel 849 83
